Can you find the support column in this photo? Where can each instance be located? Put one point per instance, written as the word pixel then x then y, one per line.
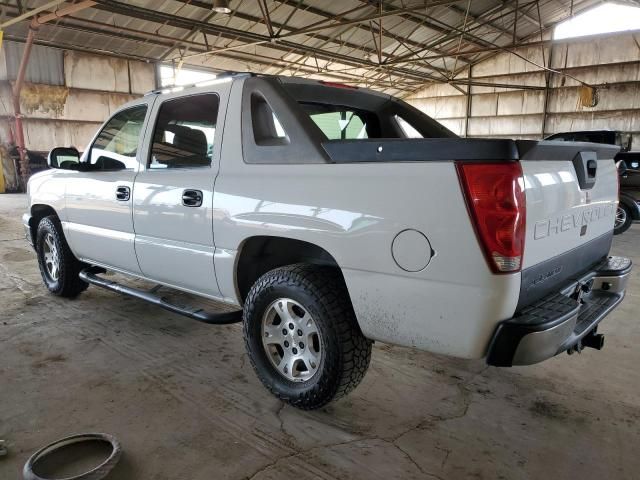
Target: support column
pixel 468 115
pixel 17 87
pixel 547 85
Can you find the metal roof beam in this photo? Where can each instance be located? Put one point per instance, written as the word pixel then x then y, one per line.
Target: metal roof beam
pixel 387 33
pixel 121 8
pixel 297 4
pixel 385 13
pixel 452 36
pixel 478 21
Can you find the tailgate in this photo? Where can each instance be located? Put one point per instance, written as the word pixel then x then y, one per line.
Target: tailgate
pixel 571 194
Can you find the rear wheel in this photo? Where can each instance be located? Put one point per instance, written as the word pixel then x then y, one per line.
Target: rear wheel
pixel 623 219
pixel 302 336
pixel 58 266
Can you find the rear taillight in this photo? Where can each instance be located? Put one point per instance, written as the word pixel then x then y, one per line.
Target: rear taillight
pixel 497 205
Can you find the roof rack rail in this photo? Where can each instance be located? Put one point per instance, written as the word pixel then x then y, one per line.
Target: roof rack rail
pixel 219 76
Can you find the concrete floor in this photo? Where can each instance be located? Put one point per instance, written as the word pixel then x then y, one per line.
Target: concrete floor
pixel 185 403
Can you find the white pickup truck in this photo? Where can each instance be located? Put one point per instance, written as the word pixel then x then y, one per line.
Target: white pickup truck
pixel 333 216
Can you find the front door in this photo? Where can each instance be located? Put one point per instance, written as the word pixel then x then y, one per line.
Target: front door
pixel 173 195
pixel 98 222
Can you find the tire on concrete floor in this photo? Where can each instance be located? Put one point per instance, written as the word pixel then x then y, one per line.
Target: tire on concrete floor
pixel 58 266
pixel 324 356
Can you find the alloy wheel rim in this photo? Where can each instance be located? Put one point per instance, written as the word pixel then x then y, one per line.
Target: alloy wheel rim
pixel 621 217
pixel 291 340
pixel 51 257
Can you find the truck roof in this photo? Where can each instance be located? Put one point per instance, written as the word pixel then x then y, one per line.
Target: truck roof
pixel 232 75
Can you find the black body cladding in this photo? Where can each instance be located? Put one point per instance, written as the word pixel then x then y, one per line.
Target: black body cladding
pixel 550 275
pixel 462 149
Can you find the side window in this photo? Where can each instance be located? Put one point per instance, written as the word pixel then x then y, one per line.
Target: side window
pixel 184 132
pixel 116 146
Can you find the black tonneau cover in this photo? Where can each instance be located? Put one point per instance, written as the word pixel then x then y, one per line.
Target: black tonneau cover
pixel 465 149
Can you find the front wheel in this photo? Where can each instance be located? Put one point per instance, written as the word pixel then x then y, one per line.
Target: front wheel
pixel 623 219
pixel 302 336
pixel 58 266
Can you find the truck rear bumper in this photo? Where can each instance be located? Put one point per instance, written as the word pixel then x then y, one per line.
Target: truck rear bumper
pixel 560 321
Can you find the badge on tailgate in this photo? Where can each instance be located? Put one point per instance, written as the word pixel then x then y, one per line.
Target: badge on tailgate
pixel 579 219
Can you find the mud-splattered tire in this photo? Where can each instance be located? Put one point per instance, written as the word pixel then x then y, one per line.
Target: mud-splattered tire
pixel 58 266
pixel 343 353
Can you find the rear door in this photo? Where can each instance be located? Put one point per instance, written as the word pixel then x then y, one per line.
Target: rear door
pixel 173 194
pixel 98 223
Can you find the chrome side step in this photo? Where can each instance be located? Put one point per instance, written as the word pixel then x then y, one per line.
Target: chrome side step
pixel 90 275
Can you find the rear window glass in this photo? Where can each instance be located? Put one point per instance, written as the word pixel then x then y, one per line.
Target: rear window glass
pixel 341 125
pixel 358 114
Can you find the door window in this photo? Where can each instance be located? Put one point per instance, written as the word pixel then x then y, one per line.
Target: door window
pixel 117 144
pixel 185 132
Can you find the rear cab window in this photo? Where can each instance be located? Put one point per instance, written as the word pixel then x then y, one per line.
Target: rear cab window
pixel 349 113
pixel 340 123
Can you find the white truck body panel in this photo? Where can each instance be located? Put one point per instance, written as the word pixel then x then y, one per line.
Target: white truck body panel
pixel 97 226
pixel 557 208
pixel 357 224
pixel 175 246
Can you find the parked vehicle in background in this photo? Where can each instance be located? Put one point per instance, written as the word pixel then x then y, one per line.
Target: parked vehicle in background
pixel 628 162
pixel 332 216
pixel 628 210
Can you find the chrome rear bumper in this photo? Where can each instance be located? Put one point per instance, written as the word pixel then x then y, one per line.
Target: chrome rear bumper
pixel 560 321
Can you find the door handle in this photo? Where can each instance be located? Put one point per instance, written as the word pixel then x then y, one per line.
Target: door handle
pixel 192 198
pixel 123 194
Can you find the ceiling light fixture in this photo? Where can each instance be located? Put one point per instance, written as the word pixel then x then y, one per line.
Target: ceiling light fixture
pixel 221 6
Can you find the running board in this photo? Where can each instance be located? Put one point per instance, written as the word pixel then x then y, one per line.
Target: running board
pixel 89 275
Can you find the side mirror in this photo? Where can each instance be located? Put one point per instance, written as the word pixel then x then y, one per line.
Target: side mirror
pixel 63 157
pixel 622 167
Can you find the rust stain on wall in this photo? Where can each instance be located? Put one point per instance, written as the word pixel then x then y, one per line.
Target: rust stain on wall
pixel 44 98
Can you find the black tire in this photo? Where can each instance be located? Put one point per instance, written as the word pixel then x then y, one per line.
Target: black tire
pixel 624 212
pixel 346 352
pixel 66 283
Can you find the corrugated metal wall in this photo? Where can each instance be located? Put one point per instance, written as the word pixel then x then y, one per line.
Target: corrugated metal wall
pixel 68 94
pixel 46 65
pixel 610 61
